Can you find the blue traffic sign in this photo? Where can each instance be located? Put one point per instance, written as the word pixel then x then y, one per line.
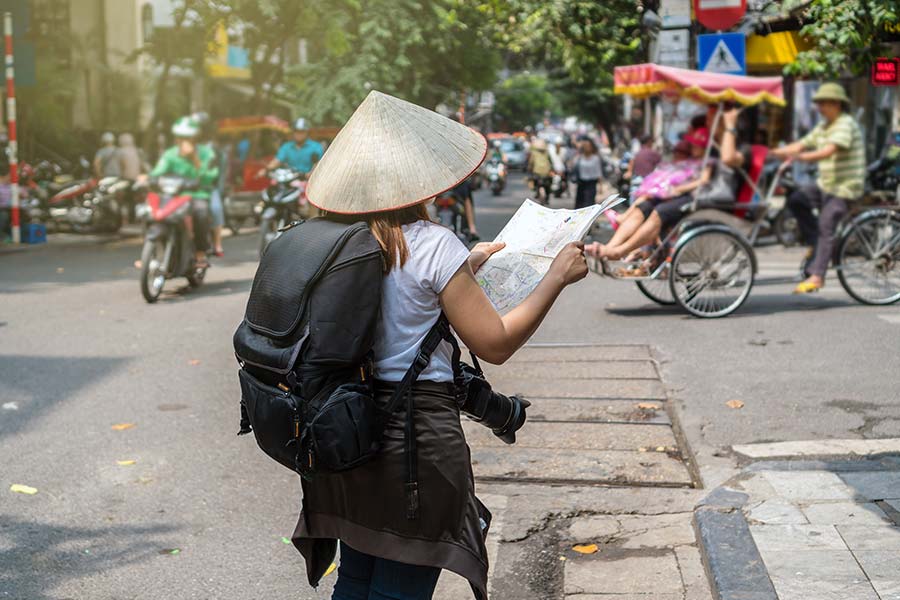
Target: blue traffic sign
pixel 722 53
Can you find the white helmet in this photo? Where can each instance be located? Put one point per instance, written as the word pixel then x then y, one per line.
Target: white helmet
pixel 108 138
pixel 496 143
pixel 186 127
pixel 301 125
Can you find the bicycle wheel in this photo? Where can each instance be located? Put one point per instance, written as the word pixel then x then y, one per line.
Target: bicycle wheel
pixel 712 273
pixel 868 259
pixel 657 290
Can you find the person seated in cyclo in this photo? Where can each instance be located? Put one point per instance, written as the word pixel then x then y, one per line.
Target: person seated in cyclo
pixel 718 183
pixel 836 144
pixel 191 160
pixel 658 185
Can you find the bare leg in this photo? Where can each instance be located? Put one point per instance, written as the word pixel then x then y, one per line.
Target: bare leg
pixel 645 234
pixel 627 228
pixel 470 216
pixel 217 239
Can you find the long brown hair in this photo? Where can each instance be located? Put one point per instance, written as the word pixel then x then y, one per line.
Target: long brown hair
pixel 387 228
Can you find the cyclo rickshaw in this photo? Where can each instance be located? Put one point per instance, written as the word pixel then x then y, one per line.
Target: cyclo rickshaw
pixel 706 263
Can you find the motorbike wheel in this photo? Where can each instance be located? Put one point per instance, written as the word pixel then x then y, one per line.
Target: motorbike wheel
pixel 496 190
pixel 267 230
pixel 152 281
pixel 233 226
pixel 786 231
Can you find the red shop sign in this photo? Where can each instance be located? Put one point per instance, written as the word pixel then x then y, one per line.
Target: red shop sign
pixel 886 71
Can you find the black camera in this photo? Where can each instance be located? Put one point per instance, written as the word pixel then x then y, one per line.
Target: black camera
pixel 504 415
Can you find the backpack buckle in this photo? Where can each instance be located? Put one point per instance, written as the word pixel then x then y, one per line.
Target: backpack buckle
pixel 421 361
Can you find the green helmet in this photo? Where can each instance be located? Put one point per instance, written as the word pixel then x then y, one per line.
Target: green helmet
pixel 186 127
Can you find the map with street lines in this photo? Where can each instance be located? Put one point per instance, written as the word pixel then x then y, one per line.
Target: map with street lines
pixel 534 236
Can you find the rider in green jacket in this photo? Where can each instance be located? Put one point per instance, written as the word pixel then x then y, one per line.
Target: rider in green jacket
pixel 191 160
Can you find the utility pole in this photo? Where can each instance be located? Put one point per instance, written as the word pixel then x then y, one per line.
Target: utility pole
pixel 11 118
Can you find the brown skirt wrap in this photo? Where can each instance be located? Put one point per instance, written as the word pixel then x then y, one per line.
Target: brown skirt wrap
pixel 366 506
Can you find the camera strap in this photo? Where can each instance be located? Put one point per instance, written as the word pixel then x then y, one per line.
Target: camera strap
pixel 438 333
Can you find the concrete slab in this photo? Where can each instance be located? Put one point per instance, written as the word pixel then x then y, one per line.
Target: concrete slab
pixel 845 513
pixel 580 353
pixel 630 575
pixel 817 574
pixel 776 538
pixel 874 485
pixel 576 436
pixel 862 537
pixel 601 411
pixel 696 584
pixel 819 448
pixel 633 531
pixel 578 466
pixel 776 512
pixel 882 567
pixel 581 388
pixel 624 597
pixel 808 485
pixel 643 369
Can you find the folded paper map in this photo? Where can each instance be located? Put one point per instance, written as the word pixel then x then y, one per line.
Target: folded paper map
pixel 534 236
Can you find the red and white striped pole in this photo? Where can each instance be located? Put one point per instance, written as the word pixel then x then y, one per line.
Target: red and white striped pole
pixel 11 118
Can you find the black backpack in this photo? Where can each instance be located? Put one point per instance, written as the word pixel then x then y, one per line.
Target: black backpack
pixel 305 351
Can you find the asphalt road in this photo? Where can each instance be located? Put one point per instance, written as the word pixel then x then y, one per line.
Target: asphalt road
pixel 201 513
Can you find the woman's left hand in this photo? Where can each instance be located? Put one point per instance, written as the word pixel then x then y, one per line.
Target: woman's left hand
pixel 730 117
pixel 483 251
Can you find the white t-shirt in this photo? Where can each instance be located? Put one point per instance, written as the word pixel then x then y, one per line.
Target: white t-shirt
pixel 410 305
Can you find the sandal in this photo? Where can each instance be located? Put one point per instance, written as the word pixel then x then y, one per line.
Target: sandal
pixel 808 287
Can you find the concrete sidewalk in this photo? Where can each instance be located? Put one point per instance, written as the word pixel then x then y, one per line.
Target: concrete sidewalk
pixel 594 500
pixel 806 529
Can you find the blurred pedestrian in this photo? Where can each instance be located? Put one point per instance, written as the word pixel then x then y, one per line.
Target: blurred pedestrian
pixel 106 161
pixel 588 169
pixel 836 144
pixel 131 165
pixel 645 161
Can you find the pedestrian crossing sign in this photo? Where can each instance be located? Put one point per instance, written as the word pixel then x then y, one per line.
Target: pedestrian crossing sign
pixel 722 53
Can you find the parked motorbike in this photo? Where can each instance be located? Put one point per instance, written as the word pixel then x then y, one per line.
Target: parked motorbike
pixel 100 209
pixel 169 249
pixel 283 202
pixel 496 176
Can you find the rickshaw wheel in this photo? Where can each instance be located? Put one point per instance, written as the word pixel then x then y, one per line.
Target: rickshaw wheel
pixel 657 290
pixel 871 280
pixel 711 273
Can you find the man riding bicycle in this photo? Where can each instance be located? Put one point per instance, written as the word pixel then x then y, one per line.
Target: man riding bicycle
pixel 836 144
pixel 300 154
pixel 191 160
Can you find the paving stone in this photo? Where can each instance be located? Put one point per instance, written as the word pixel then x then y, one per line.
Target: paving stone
pixel 883 569
pixel 625 596
pixel 635 531
pixel 574 370
pixel 817 575
pixel 808 485
pixel 874 485
pixel 632 575
pixel 845 513
pixel 819 448
pixel 581 388
pixel 579 353
pixel 774 538
pixel 754 485
pixel 861 537
pixel 587 436
pixel 578 466
pixel 600 411
pixel 693 575
pixel 777 511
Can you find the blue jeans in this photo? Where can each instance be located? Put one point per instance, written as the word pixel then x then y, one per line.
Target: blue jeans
pixel 364 577
pixel 216 208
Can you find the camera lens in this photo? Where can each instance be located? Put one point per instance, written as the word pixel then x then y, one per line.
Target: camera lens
pixel 504 415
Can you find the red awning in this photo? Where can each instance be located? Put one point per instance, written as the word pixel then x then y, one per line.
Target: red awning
pixel 648 79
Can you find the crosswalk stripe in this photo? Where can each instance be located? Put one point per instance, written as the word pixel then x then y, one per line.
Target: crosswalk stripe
pixel 894 319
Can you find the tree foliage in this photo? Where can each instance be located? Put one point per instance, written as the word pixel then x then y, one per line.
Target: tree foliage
pixel 844 35
pixel 523 99
pixel 426 51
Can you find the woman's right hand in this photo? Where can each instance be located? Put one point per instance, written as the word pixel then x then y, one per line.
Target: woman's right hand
pixel 570 265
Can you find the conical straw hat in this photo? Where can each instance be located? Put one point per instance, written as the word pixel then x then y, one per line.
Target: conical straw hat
pixel 392 154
